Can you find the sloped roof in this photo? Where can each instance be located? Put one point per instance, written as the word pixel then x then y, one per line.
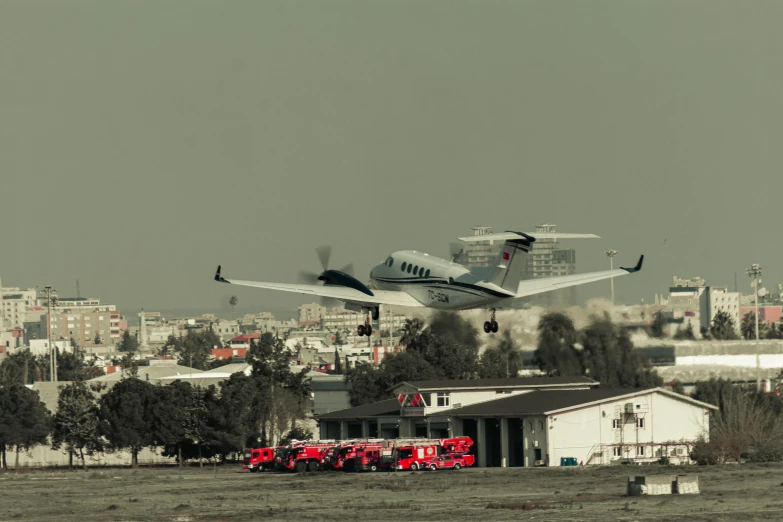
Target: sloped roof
pixel 517 382
pixel 549 401
pixel 389 407
pixel 153 373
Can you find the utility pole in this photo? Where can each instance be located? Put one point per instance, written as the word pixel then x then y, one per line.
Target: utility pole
pixel 755 272
pixel 52 350
pixel 610 254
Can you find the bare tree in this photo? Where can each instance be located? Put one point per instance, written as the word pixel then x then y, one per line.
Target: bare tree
pixel 744 423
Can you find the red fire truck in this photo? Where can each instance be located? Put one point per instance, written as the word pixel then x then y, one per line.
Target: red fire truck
pixel 301 456
pixel 415 454
pixel 259 459
pixel 354 455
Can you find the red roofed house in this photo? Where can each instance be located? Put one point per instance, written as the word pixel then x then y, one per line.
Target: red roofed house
pixel 243 341
pixel 226 353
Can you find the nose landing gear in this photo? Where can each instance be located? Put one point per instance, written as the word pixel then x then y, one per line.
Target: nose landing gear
pixel 491 326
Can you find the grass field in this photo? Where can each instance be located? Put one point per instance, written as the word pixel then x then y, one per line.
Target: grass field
pixel 748 492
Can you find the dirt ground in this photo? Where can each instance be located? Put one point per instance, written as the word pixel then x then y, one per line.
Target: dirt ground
pixel 747 492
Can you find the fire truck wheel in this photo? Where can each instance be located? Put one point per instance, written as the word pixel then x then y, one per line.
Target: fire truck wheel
pixel 301 467
pixel 433 467
pixel 457 465
pixel 414 467
pixel 253 470
pixel 313 466
pixel 373 468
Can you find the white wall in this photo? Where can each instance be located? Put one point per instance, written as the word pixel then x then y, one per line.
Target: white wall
pixel 768 360
pixel 582 432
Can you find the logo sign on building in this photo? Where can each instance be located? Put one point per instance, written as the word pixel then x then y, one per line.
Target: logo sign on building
pixel 412 404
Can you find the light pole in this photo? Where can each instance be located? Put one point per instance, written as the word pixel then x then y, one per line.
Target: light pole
pixel 52 351
pixel 610 254
pixel 755 272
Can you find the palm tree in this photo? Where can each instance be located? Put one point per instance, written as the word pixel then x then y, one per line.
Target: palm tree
pixel 748 327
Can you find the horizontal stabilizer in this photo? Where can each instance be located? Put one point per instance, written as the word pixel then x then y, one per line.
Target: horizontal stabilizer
pixel 510 236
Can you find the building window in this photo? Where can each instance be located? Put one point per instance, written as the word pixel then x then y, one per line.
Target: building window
pixel 640 422
pixel 531 427
pixel 541 425
pixel 538 453
pixel 615 423
pixel 617 451
pixel 443 399
pixel 640 451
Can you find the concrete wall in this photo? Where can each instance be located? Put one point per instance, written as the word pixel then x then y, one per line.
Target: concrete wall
pixel 44 456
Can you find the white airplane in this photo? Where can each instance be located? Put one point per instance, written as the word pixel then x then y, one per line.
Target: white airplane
pixel 414 279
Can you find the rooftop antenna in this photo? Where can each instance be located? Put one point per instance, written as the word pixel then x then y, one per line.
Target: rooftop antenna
pixel 78 292
pixel 735 282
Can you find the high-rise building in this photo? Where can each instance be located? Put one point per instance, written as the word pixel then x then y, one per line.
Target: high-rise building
pixel 311 313
pixel 15 305
pixel 548 259
pixel 481 253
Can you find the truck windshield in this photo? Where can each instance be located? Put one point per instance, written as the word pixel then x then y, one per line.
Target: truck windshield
pixel 248 454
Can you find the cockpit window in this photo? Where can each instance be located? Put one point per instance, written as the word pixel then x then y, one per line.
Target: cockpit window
pixel 403 266
pixel 390 261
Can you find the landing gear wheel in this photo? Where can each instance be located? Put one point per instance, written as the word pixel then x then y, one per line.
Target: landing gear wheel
pixel 360 330
pixel 494 326
pixel 487 327
pixel 368 330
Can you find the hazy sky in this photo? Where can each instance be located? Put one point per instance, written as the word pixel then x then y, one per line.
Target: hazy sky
pixel 143 143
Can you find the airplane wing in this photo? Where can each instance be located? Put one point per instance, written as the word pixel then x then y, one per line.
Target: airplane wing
pixel 343 293
pixel 537 286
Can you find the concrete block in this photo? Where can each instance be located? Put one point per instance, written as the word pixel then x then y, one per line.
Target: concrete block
pixel 687 485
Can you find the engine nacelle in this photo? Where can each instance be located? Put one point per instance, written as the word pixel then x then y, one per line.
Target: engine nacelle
pixel 337 278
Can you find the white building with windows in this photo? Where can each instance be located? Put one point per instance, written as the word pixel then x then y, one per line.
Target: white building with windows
pixel 535 421
pixel 715 299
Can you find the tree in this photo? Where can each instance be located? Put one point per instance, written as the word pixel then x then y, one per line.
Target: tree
pixel 723 327
pixel 172 345
pixel 20 367
pixel 233 300
pixel 453 345
pixel 24 420
pixel 555 353
pixel 774 332
pixel 371 384
pixel 657 328
pixel 127 416
pixel 179 418
pixel 77 422
pixel 366 385
pixel 677 387
pixel 235 414
pixel 129 366
pixel 71 366
pixel 685 333
pixel 98 339
pixel 196 349
pixel 748 327
pixel 609 357
pixel 511 354
pixel 416 337
pixel 492 364
pixel 128 343
pixel 296 433
pixel 338 364
pixel 338 339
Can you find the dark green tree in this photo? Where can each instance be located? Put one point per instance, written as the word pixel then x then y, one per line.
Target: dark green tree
pixel 98 339
pixel 338 338
pixel 492 364
pixel 677 387
pixel 338 364
pixel 24 420
pixel 511 354
pixel 196 349
pixel 366 385
pixel 233 300
pixel 685 333
pixel 172 345
pixel 296 433
pixel 723 327
pixel 128 343
pixel 179 418
pixel 658 326
pixel 555 353
pixel 20 367
pixel 236 416
pixel 454 345
pixel 774 332
pixel 77 422
pixel 609 357
pixel 127 416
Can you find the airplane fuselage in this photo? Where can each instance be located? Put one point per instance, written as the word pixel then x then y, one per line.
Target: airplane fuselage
pixel 435 282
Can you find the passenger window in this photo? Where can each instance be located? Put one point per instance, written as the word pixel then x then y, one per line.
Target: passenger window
pixel 410 267
pixel 415 270
pixel 427 274
pixel 403 266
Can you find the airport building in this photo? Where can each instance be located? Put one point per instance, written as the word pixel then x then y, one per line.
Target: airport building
pixel 534 421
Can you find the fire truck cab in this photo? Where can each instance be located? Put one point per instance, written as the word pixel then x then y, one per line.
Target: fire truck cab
pixel 259 459
pixel 301 456
pixel 416 454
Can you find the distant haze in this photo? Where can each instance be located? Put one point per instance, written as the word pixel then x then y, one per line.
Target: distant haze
pixel 143 143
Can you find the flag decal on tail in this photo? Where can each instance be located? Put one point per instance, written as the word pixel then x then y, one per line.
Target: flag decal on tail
pixel 506 256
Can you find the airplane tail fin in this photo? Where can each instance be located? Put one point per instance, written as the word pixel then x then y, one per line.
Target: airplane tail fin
pixel 511 262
